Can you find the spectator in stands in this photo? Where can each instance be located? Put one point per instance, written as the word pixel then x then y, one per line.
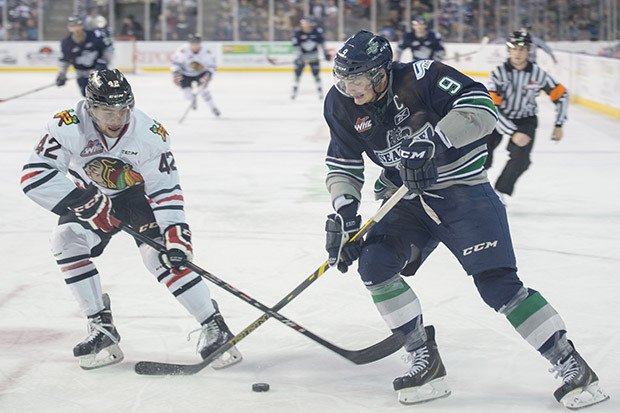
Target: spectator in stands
pixel 132 28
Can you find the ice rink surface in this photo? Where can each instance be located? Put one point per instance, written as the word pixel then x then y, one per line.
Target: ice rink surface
pixel 256 202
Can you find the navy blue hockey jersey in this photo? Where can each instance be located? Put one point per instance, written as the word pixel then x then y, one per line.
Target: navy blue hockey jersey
pixel 87 56
pixel 429 47
pixel 423 93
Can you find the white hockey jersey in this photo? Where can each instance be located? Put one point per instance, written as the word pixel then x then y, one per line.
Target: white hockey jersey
pixel 72 153
pixel 189 63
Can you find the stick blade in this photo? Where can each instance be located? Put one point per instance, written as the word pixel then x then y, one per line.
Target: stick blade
pixel 154 368
pixel 379 350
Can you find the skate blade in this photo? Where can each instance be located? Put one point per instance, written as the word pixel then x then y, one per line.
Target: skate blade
pixel 113 354
pixel 435 389
pixel 231 357
pixel 584 397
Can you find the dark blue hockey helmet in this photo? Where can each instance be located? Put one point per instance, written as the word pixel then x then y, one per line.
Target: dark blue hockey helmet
pixel 519 38
pixel 362 53
pixel 109 88
pixel 75 20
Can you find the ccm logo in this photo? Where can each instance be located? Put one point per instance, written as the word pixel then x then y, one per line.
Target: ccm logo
pixel 480 247
pixel 412 155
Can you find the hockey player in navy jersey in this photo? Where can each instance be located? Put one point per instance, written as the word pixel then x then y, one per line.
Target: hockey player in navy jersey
pixel 85 50
pixel 104 160
pixel 424 124
pixel 194 64
pixel 424 43
pixel 306 43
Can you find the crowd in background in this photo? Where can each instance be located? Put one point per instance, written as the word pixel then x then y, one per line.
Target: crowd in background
pixel 175 19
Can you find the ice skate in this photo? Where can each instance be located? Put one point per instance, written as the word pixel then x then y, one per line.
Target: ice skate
pixel 425 379
pixel 215 333
pixel 194 103
pixel 320 92
pixel 216 111
pixel 102 336
pixel 579 383
pixel 294 93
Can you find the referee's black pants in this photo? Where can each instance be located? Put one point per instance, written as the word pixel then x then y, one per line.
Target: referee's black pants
pixel 519 159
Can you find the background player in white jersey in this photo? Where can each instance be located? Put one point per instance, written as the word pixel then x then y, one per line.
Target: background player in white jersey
pixel 103 161
pixel 424 43
pixel 514 87
pixel 306 43
pixel 194 63
pixel 85 50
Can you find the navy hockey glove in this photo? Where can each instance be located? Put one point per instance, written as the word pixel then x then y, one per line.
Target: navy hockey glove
pixel 299 61
pixel 95 207
pixel 178 240
pixel 418 169
pixel 327 55
pixel 61 79
pixel 339 228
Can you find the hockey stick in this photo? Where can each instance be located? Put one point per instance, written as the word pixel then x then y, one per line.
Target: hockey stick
pixel 28 92
pixel 457 56
pixel 367 355
pixel 192 103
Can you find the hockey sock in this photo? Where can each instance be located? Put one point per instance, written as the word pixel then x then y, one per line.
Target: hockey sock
pixel 185 285
pixel 188 93
pixel 206 95
pixel 538 323
pixel 400 309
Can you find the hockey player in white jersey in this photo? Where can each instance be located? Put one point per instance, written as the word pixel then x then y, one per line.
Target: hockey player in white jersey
pixel 100 162
pixel 191 64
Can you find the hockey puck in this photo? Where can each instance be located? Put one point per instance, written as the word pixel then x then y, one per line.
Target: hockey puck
pixel 260 387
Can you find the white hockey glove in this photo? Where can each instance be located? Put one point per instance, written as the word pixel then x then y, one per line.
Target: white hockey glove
pixel 177 77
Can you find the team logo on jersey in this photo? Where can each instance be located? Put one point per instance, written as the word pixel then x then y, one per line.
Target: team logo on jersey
pixel 196 66
pixel 390 156
pixel 92 148
pixel 158 129
pixel 67 117
pixel 112 173
pixel 363 124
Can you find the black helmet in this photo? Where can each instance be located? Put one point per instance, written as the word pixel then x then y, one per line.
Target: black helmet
pixel 108 88
pixel 363 52
pixel 75 20
pixel 420 20
pixel 519 38
pixel 194 38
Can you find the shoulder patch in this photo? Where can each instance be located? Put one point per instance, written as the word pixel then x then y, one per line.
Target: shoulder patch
pixel 420 67
pixel 66 117
pixel 158 129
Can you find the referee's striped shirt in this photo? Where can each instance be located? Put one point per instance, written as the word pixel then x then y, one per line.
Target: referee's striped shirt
pixel 514 93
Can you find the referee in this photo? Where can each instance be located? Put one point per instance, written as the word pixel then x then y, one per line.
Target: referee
pixel 514 86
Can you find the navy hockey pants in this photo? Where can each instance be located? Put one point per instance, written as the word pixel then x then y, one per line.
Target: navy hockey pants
pixel 474 227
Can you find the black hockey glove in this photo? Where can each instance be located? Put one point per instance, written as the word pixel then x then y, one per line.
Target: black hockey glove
pixel 299 61
pixel 327 56
pixel 418 169
pixel 61 79
pixel 95 207
pixel 178 239
pixel 339 228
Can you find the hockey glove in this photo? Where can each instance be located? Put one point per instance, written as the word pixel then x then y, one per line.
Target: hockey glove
pixel 299 61
pixel 178 240
pixel 327 55
pixel 205 79
pixel 94 207
pixel 418 169
pixel 61 79
pixel 339 228
pixel 177 77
